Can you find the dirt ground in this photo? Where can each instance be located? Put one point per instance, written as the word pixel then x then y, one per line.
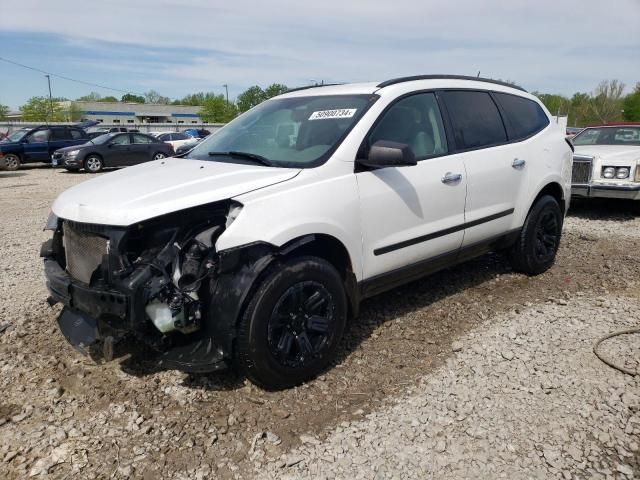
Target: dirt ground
pixel 63 416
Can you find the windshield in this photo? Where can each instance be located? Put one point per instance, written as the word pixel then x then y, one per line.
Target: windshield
pixel 295 132
pixel 608 136
pixel 17 135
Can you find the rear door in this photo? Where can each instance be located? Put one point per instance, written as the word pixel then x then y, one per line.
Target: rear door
pixel 494 171
pixel 36 146
pixel 60 138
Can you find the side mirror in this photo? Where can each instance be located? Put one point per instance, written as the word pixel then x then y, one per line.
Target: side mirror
pixel 384 153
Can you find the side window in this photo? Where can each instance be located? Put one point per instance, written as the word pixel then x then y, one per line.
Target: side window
pixel 415 121
pixel 137 138
pixel 76 134
pixel 476 119
pixel 58 134
pixel 179 136
pixel 39 136
pixel 524 116
pixel 121 140
pixel 165 137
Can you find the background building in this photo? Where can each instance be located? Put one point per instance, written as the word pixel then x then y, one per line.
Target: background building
pixel 135 113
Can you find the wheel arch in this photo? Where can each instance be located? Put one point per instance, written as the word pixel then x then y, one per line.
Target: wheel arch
pixel 241 269
pixel 555 190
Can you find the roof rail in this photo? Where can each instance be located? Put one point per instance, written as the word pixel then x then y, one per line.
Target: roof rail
pixel 393 81
pixel 312 86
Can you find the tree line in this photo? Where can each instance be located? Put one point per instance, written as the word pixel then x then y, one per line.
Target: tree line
pixel 606 104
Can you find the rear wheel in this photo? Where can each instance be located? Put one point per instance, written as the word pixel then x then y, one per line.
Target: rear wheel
pixel 12 162
pixel 159 156
pixel 93 164
pixel 293 324
pixel 536 247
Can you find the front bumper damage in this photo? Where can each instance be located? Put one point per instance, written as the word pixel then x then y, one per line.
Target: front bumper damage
pixel 161 285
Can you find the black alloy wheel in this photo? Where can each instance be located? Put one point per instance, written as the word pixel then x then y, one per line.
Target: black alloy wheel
pixel 293 323
pixel 535 250
pixel 300 324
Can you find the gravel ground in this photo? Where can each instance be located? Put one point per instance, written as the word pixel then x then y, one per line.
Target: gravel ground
pixel 472 372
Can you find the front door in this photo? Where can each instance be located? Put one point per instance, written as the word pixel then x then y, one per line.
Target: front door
pixel 119 151
pixel 412 213
pixel 140 149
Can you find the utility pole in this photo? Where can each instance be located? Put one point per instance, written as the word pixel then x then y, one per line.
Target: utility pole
pixel 226 89
pixel 50 99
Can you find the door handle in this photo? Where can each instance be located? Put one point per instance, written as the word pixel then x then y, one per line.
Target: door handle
pixel 518 163
pixel 451 177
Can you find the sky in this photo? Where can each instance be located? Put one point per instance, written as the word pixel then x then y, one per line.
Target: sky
pixel 177 47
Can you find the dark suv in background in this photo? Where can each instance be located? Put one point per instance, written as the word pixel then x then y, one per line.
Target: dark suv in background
pixel 37 144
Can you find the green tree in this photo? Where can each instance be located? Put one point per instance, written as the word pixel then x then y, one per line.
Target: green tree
pixel 109 98
pixel 40 109
pixel 274 90
pixel 631 106
pixel 130 98
pixel 251 97
pixel 556 104
pixel 72 112
pixel 194 99
pixel 154 97
pixel 579 113
pixel 4 111
pixel 215 109
pixel 92 97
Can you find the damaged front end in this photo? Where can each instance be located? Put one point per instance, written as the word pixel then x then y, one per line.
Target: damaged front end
pixel 160 282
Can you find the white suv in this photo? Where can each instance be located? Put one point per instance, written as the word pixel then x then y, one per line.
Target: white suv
pixel 256 248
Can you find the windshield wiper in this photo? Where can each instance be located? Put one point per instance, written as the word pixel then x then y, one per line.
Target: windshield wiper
pixel 245 155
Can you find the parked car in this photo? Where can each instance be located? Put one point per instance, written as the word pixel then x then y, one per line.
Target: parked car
pixel 573 131
pixel 176 139
pixel 112 150
pixel 197 132
pixel 182 149
pixel 37 144
pixel 255 248
pixel 109 129
pixel 606 162
pixel 93 135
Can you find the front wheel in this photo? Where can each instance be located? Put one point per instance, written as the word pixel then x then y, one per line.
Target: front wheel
pixel 535 250
pixel 93 164
pixel 12 162
pixel 292 326
pixel 159 156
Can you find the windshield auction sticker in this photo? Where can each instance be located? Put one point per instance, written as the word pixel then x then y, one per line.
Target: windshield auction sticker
pixel 338 113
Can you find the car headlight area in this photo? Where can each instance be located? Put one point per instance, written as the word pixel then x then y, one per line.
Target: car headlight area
pixel 621 173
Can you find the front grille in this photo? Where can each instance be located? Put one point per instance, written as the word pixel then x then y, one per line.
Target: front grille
pixel 582 167
pixel 83 251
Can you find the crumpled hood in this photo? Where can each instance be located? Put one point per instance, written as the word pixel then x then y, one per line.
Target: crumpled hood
pixel 155 188
pixel 612 153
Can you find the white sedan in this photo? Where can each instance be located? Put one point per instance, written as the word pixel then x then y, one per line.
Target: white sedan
pixel 176 139
pixel 606 162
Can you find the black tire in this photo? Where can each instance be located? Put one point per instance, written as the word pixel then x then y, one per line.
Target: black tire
pixel 159 156
pixel 535 250
pixel 280 345
pixel 93 164
pixel 11 162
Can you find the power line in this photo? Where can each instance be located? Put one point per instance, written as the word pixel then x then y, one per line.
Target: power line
pixel 67 78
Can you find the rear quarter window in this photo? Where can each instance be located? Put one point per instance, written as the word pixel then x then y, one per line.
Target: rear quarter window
pixel 475 117
pixel 524 117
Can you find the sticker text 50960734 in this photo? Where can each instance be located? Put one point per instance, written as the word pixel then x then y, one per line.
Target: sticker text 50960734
pixel 337 113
